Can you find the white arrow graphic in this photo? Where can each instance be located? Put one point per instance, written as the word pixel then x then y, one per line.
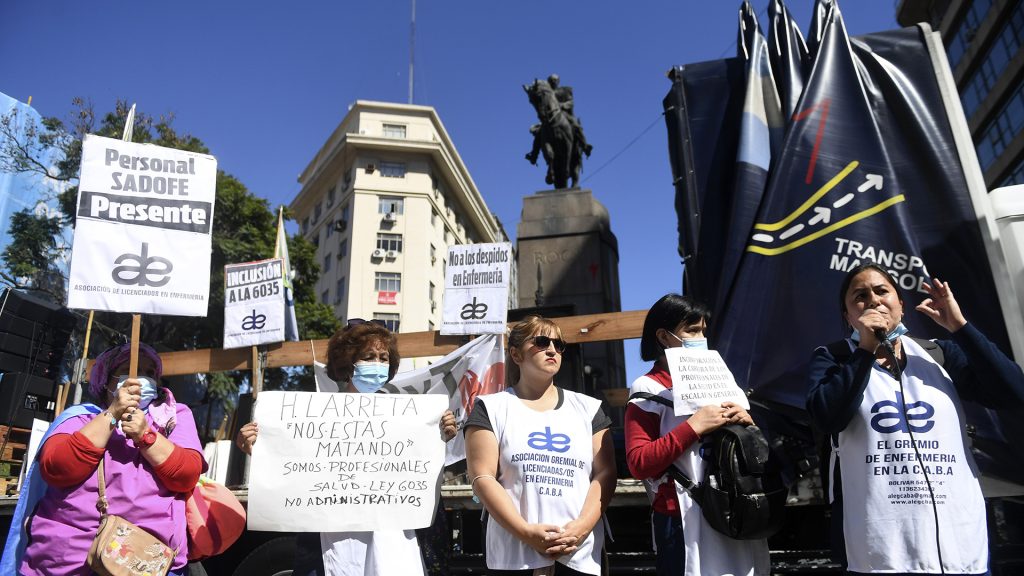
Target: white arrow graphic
pixel 871 181
pixel 821 214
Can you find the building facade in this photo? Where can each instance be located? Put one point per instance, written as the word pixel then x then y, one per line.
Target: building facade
pixel 382 200
pixel 983 41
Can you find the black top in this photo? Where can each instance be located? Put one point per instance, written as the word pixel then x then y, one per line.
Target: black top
pixel 479 418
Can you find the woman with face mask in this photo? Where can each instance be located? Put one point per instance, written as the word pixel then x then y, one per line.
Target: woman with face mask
pixel 656 439
pixel 361 358
pixel 151 456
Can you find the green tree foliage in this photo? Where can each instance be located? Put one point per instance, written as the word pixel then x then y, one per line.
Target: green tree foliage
pixel 244 229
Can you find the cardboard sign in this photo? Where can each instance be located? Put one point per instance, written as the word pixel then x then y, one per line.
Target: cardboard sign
pixel 700 378
pixel 253 303
pixel 476 368
pixel 476 284
pixel 345 462
pixel 142 238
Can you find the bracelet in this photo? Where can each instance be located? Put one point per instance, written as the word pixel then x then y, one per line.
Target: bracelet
pixel 475 478
pixel 113 421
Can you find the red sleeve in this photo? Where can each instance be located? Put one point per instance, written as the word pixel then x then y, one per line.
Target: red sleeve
pixel 647 454
pixel 68 459
pixel 180 472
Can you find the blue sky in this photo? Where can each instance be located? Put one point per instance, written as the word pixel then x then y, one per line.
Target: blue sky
pixel 264 84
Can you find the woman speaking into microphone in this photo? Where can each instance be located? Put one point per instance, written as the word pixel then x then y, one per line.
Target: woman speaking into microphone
pixel 904 487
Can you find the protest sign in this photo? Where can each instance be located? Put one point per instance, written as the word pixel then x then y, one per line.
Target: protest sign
pixel 253 303
pixel 476 283
pixel 345 462
pixel 700 378
pixel 144 223
pixel 477 368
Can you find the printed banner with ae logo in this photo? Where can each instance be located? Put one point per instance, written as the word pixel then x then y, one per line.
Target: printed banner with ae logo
pixel 253 303
pixel 476 284
pixel 142 238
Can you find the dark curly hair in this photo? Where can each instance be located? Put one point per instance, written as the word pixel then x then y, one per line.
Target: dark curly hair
pixel 344 348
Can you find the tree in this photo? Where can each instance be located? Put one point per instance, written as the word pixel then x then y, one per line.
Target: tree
pixel 244 229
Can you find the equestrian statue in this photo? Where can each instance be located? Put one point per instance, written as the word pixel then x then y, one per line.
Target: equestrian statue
pixel 559 135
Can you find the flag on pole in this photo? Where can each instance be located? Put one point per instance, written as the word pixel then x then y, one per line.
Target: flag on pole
pixel 291 325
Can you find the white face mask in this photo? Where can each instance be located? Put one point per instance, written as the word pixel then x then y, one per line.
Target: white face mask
pixel 149 389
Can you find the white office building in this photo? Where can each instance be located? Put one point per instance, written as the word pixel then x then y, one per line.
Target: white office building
pixel 382 200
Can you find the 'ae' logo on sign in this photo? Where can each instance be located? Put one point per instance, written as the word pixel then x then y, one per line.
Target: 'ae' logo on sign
pixel 903 416
pixel 547 440
pixel 254 322
pixel 145 266
pixel 474 311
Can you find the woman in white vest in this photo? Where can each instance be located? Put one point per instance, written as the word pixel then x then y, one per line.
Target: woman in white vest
pixel 656 439
pixel 905 491
pixel 541 461
pixel 361 357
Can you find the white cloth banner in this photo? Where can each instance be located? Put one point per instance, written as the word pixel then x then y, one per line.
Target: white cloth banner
pixel 345 462
pixel 142 238
pixel 477 368
pixel 253 303
pixel 700 378
pixel 476 282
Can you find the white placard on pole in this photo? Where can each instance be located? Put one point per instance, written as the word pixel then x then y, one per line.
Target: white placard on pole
pixel 143 232
pixel 345 462
pixel 700 378
pixel 476 284
pixel 253 303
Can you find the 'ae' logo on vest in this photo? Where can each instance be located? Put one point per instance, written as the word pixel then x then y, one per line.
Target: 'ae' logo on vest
pixel 546 440
pixel 903 416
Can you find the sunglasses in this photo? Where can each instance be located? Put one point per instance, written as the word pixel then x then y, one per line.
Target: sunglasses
pixel 357 321
pixel 543 342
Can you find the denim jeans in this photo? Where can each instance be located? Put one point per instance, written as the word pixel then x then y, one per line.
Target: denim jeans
pixel 668 540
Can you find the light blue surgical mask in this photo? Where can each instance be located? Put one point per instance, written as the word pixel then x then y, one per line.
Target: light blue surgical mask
pixel 368 377
pixel 692 343
pixel 898 331
pixel 148 392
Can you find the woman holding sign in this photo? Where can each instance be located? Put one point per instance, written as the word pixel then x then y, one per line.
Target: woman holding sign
pixel 361 358
pixel 152 460
pixel 541 460
pixel 656 439
pixel 906 498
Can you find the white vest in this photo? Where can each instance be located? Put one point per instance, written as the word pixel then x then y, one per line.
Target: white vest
pixel 888 521
pixel 544 463
pixel 708 551
pixel 380 553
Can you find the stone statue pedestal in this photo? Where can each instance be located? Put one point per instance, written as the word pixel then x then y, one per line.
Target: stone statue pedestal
pixel 568 256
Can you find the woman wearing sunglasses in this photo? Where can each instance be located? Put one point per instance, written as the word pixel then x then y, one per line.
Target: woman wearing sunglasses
pixel 361 357
pixel 541 461
pixel 656 438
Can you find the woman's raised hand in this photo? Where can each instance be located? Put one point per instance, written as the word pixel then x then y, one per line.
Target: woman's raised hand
pixel 448 426
pixel 941 306
pixel 126 397
pixel 247 437
pixel 712 417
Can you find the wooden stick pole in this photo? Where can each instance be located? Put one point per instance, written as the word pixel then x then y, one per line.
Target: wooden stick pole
pixel 133 362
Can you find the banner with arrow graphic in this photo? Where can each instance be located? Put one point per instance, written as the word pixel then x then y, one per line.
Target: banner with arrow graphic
pixel 862 168
pixel 254 303
pixel 476 282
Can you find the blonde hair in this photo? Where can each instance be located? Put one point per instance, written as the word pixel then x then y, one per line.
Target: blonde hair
pixel 518 335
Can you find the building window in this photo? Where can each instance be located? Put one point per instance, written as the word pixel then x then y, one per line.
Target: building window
pixel 435 186
pixel 447 236
pixel 318 211
pixel 390 204
pixel 394 131
pixel 329 229
pixel 430 326
pixel 325 297
pixel 430 293
pixel 389 242
pixel 433 218
pixel 305 224
pixel 433 254
pixel 345 211
pixel 330 196
pixel 995 61
pixel 339 291
pixel 998 134
pixel 392 169
pixel 343 248
pixel 327 263
pixel 966 30
pixel 392 321
pixel 388 282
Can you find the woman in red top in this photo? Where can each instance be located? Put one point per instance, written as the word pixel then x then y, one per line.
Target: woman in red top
pixel 656 438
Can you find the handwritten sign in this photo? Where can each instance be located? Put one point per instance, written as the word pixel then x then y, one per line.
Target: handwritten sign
pixel 476 282
pixel 345 462
pixel 700 378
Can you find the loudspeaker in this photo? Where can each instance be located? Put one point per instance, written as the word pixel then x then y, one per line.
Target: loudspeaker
pixel 24 397
pixel 33 334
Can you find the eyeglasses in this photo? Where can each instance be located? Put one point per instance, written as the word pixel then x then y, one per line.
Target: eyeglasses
pixel 543 342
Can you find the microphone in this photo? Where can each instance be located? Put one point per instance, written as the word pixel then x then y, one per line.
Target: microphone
pixel 881 336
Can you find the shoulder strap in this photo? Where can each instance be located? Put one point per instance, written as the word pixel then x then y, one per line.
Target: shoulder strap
pixel 651 397
pixel 101 502
pixel 933 349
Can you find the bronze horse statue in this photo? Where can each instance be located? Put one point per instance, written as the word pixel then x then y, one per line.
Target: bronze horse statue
pixel 558 137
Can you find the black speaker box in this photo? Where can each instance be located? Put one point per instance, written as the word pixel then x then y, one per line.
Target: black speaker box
pixel 33 334
pixel 24 397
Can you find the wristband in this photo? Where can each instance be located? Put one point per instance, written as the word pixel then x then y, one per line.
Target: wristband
pixel 113 421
